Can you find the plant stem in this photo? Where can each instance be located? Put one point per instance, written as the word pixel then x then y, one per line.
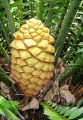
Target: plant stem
pixel 5 34
pixel 9 16
pixel 32 8
pixel 66 27
pixel 61 19
pixel 41 6
pixel 19 115
pixel 48 24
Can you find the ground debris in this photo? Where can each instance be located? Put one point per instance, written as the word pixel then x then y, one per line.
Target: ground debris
pixel 66 94
pixel 34 104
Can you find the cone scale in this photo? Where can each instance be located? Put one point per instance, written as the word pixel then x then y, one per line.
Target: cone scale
pixel 32 59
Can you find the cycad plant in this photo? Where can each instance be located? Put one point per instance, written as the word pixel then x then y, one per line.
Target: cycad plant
pixel 53 16
pixel 31 44
pixel 66 23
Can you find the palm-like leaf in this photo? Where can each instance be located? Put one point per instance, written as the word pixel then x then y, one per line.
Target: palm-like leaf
pixel 51 113
pixel 72 69
pixel 59 112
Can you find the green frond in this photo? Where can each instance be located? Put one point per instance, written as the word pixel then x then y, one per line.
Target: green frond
pixel 51 113
pixel 60 112
pixel 72 69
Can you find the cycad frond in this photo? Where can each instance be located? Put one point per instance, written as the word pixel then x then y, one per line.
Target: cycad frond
pixel 51 113
pixel 59 112
pixel 72 69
